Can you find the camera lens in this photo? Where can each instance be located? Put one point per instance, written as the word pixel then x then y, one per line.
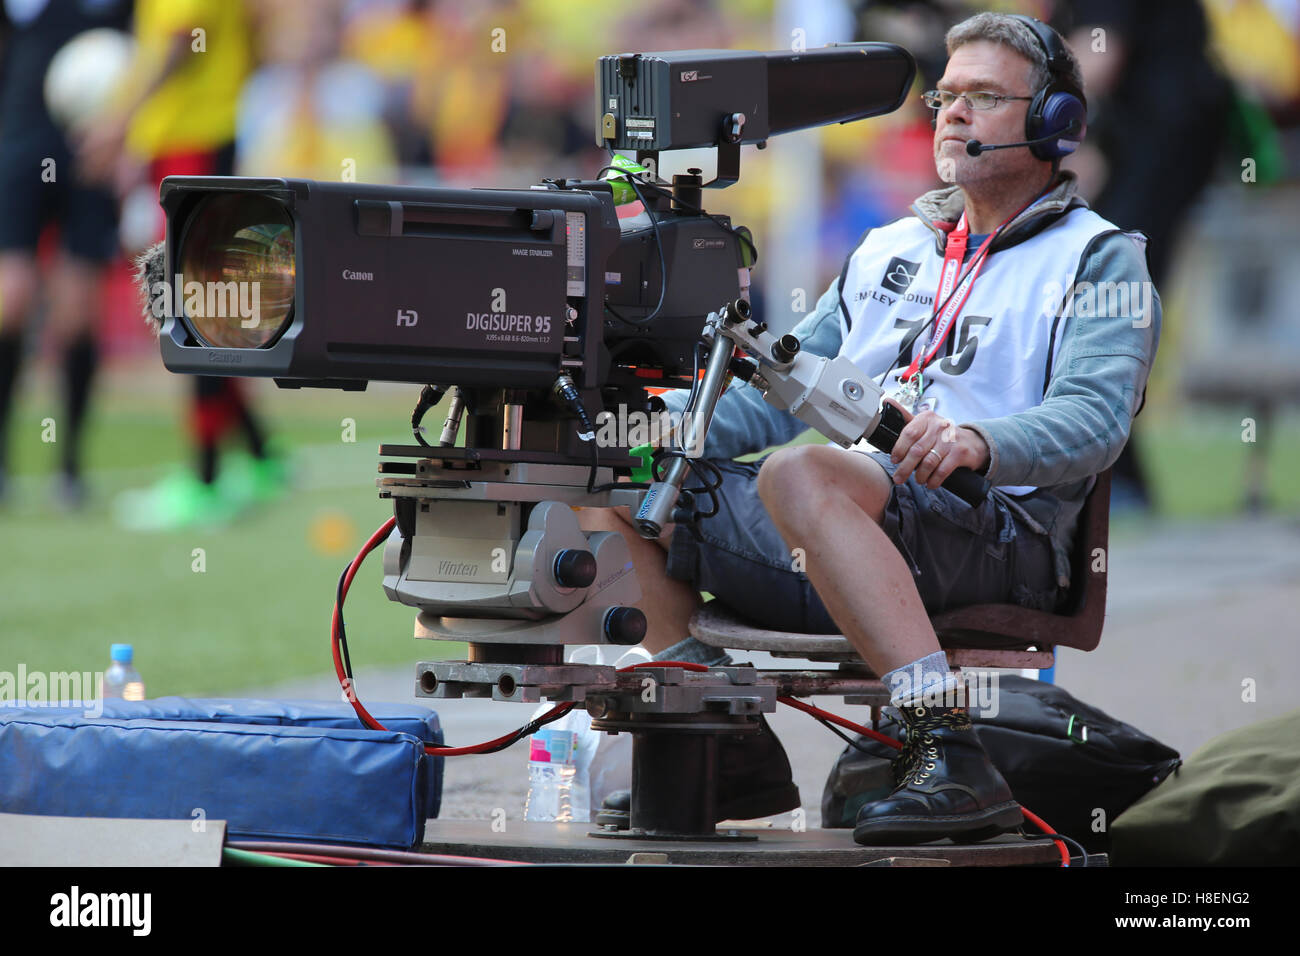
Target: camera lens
pixel 237 270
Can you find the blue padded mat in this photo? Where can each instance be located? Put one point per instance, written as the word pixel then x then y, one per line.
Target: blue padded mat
pixel 285 770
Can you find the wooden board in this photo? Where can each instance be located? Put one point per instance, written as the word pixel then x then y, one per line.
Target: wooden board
pixel 570 843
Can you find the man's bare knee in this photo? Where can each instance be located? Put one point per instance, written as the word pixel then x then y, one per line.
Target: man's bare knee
pixel 792 475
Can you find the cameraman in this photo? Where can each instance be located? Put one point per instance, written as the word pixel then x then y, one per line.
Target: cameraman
pixel 1033 386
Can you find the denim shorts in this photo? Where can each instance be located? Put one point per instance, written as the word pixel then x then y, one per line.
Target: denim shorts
pixel 958 555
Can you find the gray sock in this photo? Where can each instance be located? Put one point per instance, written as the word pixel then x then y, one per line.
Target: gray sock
pixel 695 652
pixel 928 677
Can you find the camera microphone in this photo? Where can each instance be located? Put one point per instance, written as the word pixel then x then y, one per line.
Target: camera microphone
pixel 151 269
pixel 974 147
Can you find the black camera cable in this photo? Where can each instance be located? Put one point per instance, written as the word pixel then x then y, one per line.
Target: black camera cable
pixel 659 247
pixel 568 392
pixel 430 396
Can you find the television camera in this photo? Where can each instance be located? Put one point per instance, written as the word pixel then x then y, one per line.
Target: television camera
pixel 539 310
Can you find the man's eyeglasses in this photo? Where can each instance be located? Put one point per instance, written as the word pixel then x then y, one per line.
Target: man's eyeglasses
pixel 980 100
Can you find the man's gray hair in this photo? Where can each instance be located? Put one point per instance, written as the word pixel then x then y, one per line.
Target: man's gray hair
pixel 1007 30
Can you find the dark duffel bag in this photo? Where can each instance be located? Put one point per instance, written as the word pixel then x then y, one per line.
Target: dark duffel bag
pixel 1069 763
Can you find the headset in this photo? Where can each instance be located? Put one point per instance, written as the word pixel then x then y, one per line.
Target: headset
pixel 1057 105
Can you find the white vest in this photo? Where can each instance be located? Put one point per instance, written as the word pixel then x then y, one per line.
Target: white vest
pixel 1000 349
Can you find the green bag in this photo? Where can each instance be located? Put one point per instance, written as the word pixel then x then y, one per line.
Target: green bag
pixel 1235 802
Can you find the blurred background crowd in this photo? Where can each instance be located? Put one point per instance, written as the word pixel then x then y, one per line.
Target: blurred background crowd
pixel 501 93
pixel 1193 121
pixel 1192 138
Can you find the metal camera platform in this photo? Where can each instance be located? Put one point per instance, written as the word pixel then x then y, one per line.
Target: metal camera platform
pixel 677 717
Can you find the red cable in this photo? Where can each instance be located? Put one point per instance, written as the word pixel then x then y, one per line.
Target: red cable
pixel 327 860
pixel 366 853
pixel 558 710
pixel 1048 831
pixel 375 540
pixel 836 719
pixel 344 681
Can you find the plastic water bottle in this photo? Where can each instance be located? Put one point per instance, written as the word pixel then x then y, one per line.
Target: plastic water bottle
pixel 602 763
pixel 555 795
pixel 121 680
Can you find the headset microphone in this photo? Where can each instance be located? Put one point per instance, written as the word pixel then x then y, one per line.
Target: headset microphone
pixel 974 147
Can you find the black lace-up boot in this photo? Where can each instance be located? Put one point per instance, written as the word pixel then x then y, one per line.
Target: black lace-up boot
pixel 947 787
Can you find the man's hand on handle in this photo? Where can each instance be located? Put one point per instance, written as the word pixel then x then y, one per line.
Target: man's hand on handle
pixel 933 447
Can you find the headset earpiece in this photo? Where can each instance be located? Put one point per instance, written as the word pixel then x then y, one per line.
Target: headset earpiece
pixel 1056 105
pixel 1055 110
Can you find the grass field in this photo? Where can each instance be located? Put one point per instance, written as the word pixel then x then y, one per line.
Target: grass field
pixel 258 611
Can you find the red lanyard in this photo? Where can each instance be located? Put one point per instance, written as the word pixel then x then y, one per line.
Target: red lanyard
pixel 953 254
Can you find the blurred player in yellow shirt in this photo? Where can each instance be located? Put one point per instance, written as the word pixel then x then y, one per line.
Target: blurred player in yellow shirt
pixel 176 116
pixel 178 106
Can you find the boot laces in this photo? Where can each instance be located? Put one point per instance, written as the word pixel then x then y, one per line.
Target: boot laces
pixel 920 754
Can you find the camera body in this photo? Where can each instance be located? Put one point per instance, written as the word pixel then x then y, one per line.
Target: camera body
pixel 474 287
pixel 485 289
